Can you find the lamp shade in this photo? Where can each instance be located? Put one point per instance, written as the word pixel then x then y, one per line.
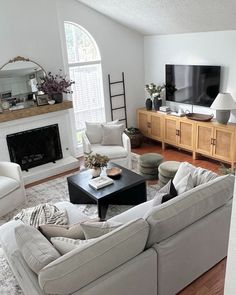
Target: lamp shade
pixel 223 101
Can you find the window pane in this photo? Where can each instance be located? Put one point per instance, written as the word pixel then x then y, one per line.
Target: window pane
pixel 87 94
pixel 80 46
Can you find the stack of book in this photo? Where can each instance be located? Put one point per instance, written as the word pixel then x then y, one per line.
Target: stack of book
pixel 100 182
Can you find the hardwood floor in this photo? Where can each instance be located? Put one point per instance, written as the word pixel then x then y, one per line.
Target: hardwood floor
pixel 212 282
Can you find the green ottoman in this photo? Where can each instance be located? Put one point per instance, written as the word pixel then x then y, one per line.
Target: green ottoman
pixel 167 171
pixel 148 165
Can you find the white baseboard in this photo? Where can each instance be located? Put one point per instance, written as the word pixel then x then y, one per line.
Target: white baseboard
pixel 50 169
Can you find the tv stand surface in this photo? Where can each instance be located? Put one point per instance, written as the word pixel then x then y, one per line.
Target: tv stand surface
pixel 210 139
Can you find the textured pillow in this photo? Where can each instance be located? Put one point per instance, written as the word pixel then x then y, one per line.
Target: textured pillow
pixel 112 134
pixel 35 248
pixel 96 229
pixel 185 184
pixel 94 131
pixel 65 245
pixel 166 193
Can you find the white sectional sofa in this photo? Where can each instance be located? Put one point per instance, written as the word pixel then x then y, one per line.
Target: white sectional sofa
pixel 157 251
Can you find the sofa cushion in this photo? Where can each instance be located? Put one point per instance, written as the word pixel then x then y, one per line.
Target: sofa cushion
pixel 94 131
pixel 96 229
pixel 171 217
pixel 112 152
pixel 34 247
pixel 65 245
pixel 112 134
pixel 7 185
pixel 184 169
pixel 85 264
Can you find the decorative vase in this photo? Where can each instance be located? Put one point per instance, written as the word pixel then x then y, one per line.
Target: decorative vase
pixel 58 97
pixel 148 104
pixel 96 172
pixel 157 103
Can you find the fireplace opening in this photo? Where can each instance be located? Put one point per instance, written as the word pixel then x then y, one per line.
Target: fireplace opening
pixel 35 147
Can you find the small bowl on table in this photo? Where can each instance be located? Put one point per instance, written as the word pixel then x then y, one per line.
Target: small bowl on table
pixel 114 172
pixel 51 101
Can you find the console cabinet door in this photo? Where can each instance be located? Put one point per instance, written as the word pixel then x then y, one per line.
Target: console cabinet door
pixel 223 146
pixel 156 127
pixel 204 139
pixel 170 130
pixel 186 135
pixel 143 122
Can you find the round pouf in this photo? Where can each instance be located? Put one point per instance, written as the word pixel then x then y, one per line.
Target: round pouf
pixel 167 171
pixel 148 165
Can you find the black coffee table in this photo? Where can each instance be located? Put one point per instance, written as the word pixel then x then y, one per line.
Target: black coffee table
pixel 128 189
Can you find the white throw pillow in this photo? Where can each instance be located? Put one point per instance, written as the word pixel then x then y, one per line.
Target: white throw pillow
pixel 65 245
pixel 34 247
pixel 185 184
pixel 112 134
pixel 96 229
pixel 184 169
pixel 94 131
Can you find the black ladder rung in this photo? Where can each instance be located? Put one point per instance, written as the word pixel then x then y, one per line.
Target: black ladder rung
pixel 116 82
pixel 117 95
pixel 122 119
pixel 118 108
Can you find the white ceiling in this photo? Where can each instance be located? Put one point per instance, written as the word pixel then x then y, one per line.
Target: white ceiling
pixel 151 17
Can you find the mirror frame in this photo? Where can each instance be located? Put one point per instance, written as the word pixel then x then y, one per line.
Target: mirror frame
pixel 21 58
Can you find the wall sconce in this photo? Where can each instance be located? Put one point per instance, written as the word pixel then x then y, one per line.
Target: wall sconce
pixel 223 104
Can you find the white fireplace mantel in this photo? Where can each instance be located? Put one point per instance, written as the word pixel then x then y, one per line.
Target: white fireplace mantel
pixel 64 119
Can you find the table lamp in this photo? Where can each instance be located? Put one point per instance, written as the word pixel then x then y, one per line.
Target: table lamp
pixel 223 104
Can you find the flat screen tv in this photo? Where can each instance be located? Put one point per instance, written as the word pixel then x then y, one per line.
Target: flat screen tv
pixel 192 84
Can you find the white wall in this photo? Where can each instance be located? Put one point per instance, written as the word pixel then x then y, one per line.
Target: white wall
pixel 34 29
pixel 211 48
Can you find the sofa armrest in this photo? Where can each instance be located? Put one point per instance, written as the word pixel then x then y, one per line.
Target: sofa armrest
pixel 127 147
pixel 11 170
pixel 86 143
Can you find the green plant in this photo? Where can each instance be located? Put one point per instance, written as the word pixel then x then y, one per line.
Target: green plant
pixel 224 170
pixel 96 161
pixel 154 90
pixel 132 130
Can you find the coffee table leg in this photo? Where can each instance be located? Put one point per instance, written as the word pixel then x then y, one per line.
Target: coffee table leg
pixel 102 210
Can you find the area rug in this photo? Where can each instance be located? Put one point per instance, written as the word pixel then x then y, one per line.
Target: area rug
pixel 53 191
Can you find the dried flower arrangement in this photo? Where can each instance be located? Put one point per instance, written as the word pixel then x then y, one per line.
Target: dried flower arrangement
pixel 96 161
pixel 52 84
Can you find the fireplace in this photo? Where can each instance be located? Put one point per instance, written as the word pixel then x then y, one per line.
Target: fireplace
pixel 35 147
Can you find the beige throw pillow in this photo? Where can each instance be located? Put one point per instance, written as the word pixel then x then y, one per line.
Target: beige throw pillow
pixel 96 229
pixel 65 245
pixel 94 131
pixel 185 184
pixel 112 134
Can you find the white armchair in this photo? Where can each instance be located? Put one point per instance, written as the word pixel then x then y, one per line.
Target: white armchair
pixel 120 155
pixel 12 190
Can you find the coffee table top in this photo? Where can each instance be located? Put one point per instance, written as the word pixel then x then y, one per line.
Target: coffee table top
pixel 126 180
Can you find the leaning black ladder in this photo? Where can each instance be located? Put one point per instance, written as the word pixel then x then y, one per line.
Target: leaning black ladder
pixel 113 109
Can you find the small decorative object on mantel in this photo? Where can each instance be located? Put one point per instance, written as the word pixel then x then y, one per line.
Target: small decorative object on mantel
pixel 95 162
pixel 42 99
pixel 155 92
pixel 55 86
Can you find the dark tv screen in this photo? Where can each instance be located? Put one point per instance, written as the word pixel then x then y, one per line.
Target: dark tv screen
pixel 192 84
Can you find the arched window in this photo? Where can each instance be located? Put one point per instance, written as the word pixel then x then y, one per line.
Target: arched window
pixel 84 62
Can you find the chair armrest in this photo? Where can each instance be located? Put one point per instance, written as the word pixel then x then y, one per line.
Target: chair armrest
pixel 86 144
pixel 126 142
pixel 11 170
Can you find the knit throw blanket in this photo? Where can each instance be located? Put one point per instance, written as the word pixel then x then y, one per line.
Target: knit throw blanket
pixel 42 214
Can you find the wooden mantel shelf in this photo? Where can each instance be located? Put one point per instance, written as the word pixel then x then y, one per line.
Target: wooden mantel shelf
pixel 34 111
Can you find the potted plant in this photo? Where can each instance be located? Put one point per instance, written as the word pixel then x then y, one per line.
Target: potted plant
pixel 155 92
pixel 55 85
pixel 95 162
pixel 135 136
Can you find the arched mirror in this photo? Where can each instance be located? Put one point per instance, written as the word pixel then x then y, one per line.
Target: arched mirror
pixel 19 79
